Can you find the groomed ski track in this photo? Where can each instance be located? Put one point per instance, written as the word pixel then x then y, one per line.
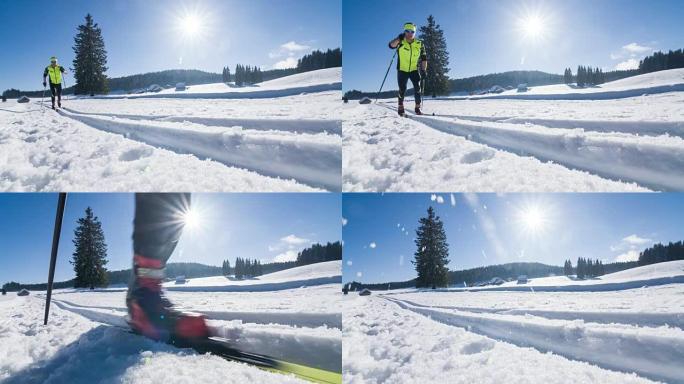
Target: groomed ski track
pixel 628 344
pixel 655 162
pixel 306 151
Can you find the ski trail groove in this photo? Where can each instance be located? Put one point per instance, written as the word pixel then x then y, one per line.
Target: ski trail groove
pixel 311 126
pixel 628 318
pixel 652 356
pixel 321 352
pixel 309 159
pixel 655 165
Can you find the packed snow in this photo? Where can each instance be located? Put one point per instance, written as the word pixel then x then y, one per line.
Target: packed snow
pixel 621 336
pixel 210 142
pixel 511 144
pixel 86 340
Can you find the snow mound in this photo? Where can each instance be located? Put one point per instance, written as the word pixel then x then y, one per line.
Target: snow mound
pixel 653 271
pixel 309 275
pixel 651 83
pixel 321 76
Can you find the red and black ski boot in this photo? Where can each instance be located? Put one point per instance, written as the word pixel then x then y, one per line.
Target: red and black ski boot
pixel 400 109
pixel 152 315
pixel 417 110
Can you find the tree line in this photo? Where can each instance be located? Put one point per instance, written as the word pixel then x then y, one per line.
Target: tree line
pixel 660 61
pixel 318 253
pixel 586 268
pixel 659 253
pixel 585 76
pixel 317 59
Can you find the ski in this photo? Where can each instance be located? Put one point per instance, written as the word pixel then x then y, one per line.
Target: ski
pixel 223 348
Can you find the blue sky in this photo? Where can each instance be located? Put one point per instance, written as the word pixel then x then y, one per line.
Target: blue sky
pixel 487 36
pixel 488 229
pixel 263 226
pixel 143 36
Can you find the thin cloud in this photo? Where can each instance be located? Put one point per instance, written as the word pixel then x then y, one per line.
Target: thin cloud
pixel 289 255
pixel 290 62
pixel 636 48
pixel 627 65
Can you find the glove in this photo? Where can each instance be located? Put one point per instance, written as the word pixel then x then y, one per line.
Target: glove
pixel 44 84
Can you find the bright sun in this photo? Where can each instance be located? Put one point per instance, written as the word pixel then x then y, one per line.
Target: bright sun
pixel 533 26
pixel 533 219
pixel 190 25
pixel 191 219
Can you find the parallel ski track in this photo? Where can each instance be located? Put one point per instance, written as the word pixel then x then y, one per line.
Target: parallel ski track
pixel 312 159
pixel 630 157
pixel 323 353
pixel 631 351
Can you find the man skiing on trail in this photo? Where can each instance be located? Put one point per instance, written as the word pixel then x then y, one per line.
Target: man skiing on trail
pixel 157 227
pixel 411 64
pixel 54 72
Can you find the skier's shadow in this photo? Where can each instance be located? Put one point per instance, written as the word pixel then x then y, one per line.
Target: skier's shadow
pixel 101 355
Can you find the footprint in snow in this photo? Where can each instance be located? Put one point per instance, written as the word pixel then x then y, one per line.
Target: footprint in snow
pixel 136 154
pixel 477 156
pixel 477 347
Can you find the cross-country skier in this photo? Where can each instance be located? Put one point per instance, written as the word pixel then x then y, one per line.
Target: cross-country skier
pixel 54 72
pixel 157 227
pixel 411 64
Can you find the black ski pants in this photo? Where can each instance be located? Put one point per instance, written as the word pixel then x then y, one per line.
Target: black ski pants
pixel 158 223
pixel 56 90
pixel 403 78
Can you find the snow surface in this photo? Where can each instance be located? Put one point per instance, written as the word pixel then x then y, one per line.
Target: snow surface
pixel 628 335
pixel 492 144
pixel 288 143
pixel 83 341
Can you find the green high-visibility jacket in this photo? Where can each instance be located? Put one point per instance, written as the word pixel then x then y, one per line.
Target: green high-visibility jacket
pixel 55 73
pixel 410 54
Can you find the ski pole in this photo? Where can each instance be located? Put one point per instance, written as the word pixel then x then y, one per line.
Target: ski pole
pixel 42 97
pixel 61 202
pixel 386 73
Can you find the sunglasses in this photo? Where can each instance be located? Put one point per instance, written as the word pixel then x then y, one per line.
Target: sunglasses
pixel 409 31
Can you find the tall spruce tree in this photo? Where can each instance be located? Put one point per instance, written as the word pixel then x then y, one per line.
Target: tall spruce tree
pixel 90 254
pixel 90 63
pixel 432 252
pixel 437 82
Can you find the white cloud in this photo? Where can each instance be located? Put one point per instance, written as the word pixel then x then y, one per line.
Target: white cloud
pixel 453 200
pixel 349 263
pixel 636 48
pixel 294 240
pixel 344 221
pixel 631 255
pixel 373 245
pixel 636 240
pixel 437 198
pixel 290 62
pixel 293 46
pixel 289 255
pixel 359 274
pixel 627 65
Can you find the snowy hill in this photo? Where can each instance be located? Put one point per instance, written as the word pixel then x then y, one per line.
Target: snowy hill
pixel 650 83
pixel 308 275
pixel 314 81
pixel 650 275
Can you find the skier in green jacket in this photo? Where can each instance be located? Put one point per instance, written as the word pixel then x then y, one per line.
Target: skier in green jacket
pixel 54 72
pixel 411 64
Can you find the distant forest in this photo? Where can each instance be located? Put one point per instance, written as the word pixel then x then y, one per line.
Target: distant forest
pixel 169 78
pixel 316 253
pixel 504 271
pixel 659 61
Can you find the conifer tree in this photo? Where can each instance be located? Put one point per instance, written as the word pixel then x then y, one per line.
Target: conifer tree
pixel 90 253
pixel 432 252
pixel 90 61
pixel 432 36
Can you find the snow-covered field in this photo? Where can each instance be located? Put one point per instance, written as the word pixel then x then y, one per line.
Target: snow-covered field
pixel 618 336
pixel 281 135
pixel 622 136
pixel 84 342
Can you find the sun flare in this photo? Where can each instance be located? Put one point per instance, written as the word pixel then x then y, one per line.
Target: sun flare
pixel 191 219
pixel 533 26
pixel 533 219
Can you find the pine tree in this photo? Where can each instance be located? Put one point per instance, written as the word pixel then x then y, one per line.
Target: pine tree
pixel 432 252
pixel 90 60
pixel 90 253
pixel 227 74
pixel 432 36
pixel 590 268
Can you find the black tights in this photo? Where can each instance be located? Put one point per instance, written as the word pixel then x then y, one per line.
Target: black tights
pixel 403 78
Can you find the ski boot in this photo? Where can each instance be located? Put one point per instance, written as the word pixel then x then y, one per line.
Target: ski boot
pixel 400 109
pixel 59 104
pixel 152 315
pixel 417 110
